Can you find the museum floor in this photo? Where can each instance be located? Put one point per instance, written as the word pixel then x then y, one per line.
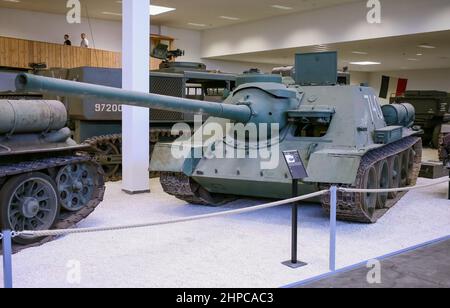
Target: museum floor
pixel 235 251
pixel 426 267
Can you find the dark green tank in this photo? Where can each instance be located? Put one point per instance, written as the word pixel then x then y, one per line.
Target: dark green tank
pixel 46 180
pixel 432 113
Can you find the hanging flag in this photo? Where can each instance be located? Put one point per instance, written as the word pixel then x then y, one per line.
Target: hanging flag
pixel 402 86
pixel 392 86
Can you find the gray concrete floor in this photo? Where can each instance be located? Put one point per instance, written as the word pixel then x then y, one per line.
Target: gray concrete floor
pixel 427 267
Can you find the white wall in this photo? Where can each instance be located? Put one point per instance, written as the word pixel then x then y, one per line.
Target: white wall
pixel 358 78
pixel 342 23
pixel 52 27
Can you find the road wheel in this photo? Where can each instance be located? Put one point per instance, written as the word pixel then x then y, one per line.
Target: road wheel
pixel 394 174
pixel 30 204
pixel 404 173
pixel 384 183
pixel 369 200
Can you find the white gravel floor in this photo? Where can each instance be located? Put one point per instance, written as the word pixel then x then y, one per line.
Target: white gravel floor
pixel 236 251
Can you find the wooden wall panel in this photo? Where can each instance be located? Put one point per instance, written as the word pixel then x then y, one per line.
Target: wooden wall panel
pixel 17 53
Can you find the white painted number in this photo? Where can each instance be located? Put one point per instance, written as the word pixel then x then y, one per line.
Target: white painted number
pixel 108 108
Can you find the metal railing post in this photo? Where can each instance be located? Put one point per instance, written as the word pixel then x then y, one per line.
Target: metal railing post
pixel 7 259
pixel 333 209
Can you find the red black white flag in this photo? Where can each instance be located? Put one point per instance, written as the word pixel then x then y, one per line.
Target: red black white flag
pixel 393 86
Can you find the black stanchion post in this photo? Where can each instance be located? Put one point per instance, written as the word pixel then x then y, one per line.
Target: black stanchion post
pixel 298 172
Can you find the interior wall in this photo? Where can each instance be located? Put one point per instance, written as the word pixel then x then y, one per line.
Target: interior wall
pixel 107 35
pixel 51 28
pixel 358 78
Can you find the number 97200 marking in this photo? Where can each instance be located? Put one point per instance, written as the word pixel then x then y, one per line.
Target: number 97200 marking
pixel 108 108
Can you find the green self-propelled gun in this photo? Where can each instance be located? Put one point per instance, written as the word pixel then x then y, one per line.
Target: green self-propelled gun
pixel 340 132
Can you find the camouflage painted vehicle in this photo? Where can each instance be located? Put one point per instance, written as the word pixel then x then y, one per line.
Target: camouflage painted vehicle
pixel 45 180
pixel 340 132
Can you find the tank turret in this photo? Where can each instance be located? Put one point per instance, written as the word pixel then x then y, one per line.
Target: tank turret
pixel 340 132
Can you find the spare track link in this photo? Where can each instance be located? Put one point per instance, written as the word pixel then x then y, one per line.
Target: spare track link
pixel 66 219
pixel 349 207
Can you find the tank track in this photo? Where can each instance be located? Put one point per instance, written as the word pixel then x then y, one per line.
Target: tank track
pixel 155 136
pixel 349 207
pixel 66 219
pixel 182 187
pixel 349 204
pixel 95 142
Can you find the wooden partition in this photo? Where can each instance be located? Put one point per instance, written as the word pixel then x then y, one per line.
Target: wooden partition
pixel 18 53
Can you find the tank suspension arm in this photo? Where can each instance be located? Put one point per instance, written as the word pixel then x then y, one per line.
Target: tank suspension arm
pixel 28 82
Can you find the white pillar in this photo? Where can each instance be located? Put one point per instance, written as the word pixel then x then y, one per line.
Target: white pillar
pixel 135 76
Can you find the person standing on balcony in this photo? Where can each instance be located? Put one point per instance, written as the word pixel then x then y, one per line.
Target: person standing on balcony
pixel 67 41
pixel 84 41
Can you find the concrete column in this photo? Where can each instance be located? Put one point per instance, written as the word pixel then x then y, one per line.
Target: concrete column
pixel 135 76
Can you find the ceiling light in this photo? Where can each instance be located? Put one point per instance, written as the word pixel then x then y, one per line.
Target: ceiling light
pixel 229 18
pixel 360 53
pixel 196 24
pixel 282 7
pixel 156 9
pixel 364 63
pixel 112 13
pixel 12 1
pixel 419 54
pixel 426 46
pixel 413 59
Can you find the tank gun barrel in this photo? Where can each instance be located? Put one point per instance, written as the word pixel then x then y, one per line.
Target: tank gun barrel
pixel 28 82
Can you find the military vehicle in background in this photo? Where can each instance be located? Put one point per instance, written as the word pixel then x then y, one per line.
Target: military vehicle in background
pixel 444 150
pixel 45 179
pixel 432 112
pixel 340 133
pixel 98 121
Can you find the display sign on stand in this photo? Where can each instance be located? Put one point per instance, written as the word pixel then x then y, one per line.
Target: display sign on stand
pixel 298 172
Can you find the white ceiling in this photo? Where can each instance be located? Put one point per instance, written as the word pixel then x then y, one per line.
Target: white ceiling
pixel 395 53
pixel 206 12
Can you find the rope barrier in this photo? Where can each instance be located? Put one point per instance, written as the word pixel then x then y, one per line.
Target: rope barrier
pixel 418 187
pixel 34 234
